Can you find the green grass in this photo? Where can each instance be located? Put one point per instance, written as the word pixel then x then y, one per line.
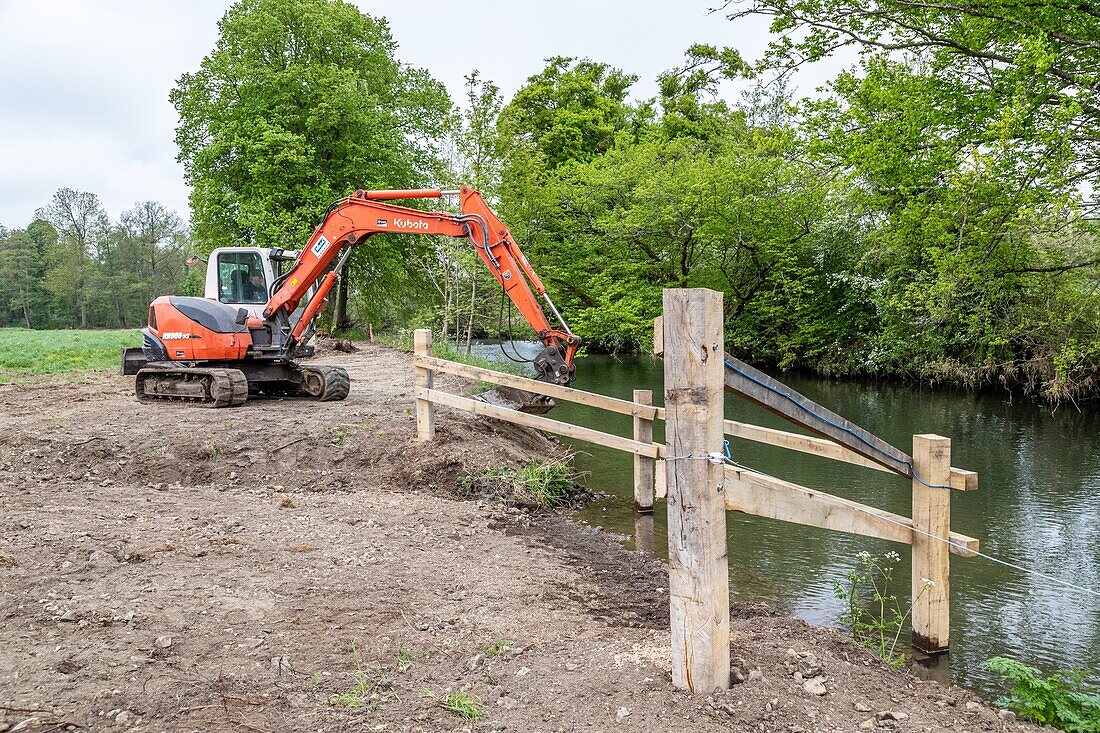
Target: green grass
pixel 495 648
pixel 26 353
pixel 464 705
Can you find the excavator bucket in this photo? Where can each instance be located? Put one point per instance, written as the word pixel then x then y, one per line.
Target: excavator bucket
pixel 518 399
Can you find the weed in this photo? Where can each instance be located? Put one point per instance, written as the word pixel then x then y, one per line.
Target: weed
pixel 464 705
pixel 494 649
pixel 370 689
pixel 405 658
pixel 541 483
pixel 1061 700
pixel 339 434
pixel 210 450
pixel 873 613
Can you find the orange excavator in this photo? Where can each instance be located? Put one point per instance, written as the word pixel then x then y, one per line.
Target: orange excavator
pixel 205 352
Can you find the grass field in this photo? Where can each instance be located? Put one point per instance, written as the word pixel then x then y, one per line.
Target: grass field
pixel 25 353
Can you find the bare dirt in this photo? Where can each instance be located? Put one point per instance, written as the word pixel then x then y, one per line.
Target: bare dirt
pixel 292 566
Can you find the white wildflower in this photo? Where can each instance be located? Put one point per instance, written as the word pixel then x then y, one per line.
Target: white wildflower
pixel 864 555
pixel 893 556
pixel 928 581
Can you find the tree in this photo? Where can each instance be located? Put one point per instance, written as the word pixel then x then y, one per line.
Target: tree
pixel 82 226
pixel 299 103
pixel 475 157
pixel 971 131
pixel 570 111
pixel 1023 74
pixel 155 239
pixel 21 268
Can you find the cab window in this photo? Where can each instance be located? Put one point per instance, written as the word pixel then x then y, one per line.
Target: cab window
pixel 241 278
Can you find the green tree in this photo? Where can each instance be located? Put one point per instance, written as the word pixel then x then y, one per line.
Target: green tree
pixel 82 227
pixel 475 158
pixel 970 130
pixel 570 111
pixel 21 269
pixel 154 248
pixel 299 103
pixel 1006 71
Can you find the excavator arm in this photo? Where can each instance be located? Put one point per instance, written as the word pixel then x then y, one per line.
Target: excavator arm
pixel 352 220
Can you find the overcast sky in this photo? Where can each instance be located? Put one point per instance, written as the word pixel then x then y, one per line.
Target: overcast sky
pixel 84 83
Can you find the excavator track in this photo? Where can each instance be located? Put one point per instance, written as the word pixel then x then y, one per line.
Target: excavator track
pixel 324 383
pixel 218 387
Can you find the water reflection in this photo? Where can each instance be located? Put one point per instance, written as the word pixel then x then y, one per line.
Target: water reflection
pixel 1036 506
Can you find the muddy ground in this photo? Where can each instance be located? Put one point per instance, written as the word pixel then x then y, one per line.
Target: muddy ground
pixel 293 566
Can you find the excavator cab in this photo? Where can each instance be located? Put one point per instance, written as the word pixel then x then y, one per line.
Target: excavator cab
pixel 242 277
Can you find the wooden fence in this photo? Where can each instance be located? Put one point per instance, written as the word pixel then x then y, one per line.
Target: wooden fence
pixel 690 472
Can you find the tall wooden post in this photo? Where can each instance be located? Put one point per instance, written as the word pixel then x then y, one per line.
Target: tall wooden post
pixel 425 416
pixel 644 466
pixel 698 566
pixel 931 581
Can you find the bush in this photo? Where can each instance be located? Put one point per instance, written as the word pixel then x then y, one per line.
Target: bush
pixel 1061 700
pixel 542 484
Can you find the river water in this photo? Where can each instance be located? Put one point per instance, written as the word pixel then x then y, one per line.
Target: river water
pixel 1038 505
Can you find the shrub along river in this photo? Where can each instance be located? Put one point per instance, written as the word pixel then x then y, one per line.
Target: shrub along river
pixel 1038 505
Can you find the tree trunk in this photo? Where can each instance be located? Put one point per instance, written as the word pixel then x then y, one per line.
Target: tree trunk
pixel 470 323
pixel 340 320
pixel 27 313
pixel 446 315
pixel 121 315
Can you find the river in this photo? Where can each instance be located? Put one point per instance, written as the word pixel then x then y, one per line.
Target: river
pixel 1038 505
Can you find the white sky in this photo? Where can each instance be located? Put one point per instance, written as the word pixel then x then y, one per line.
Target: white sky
pixel 84 83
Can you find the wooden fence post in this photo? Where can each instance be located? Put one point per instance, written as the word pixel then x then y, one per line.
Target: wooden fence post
pixel 644 466
pixel 931 583
pixel 698 566
pixel 425 416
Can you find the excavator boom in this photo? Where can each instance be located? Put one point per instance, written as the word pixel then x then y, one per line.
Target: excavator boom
pixel 352 220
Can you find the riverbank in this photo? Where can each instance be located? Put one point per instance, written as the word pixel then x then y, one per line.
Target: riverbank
pixel 291 566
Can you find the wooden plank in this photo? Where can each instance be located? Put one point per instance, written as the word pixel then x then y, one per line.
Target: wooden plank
pixel 659 336
pixel 802 443
pixel 644 466
pixel 660 483
pixel 538 422
pixel 931 561
pixel 425 417
pixel 766 496
pixel 698 566
pixel 612 404
pixel 961 479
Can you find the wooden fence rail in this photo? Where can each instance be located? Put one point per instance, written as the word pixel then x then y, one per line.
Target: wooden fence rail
pixel 702 488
